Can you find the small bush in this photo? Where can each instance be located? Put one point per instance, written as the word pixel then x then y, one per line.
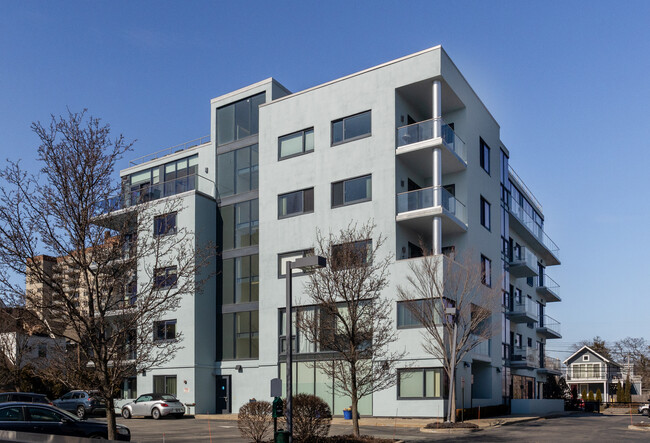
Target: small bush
pixel 584 394
pixel 590 396
pixel 311 417
pixel 255 420
pixel 599 396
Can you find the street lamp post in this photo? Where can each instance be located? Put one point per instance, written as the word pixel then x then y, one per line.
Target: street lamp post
pixel 304 263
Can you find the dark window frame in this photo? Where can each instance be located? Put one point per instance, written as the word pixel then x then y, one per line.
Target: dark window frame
pixel 163 277
pixel 443 389
pixel 304 151
pixel 252 169
pixel 484 159
pixel 301 252
pixel 352 202
pixel 254 131
pixel 359 244
pixel 486 277
pixel 163 221
pixel 343 120
pixel 306 209
pixel 251 334
pixel 486 214
pixel 250 280
pixel 165 324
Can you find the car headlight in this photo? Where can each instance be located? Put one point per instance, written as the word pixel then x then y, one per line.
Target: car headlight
pixel 123 431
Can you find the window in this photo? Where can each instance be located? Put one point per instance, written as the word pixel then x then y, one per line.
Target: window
pixel 351 128
pixel 164 384
pixel 585 357
pixel 419 383
pixel 485 156
pixel 354 190
pixel 240 224
pixel 486 267
pixel 405 317
pixel 529 281
pixel 239 120
pixel 161 181
pixel 350 255
pixel 296 203
pixel 164 224
pixel 240 335
pixel 42 350
pixel 485 213
pixel 298 143
pixel 164 330
pixel 238 171
pixel 14 413
pixel 518 343
pixel 240 281
pixel 165 277
pixel 530 342
pixel 43 415
pixel 291 256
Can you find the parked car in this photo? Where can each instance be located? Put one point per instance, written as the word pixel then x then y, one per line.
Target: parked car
pixel 46 419
pixel 154 405
pixel 28 397
pixel 644 409
pixel 81 403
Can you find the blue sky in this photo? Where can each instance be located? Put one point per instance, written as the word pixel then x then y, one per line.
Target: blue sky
pixel 567 81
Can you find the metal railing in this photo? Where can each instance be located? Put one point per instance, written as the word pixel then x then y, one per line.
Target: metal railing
pixel 544 281
pixel 552 363
pixel 159 190
pixel 425 130
pixel 525 255
pixel 524 188
pixel 527 355
pixel 549 323
pixel 429 198
pixel 170 150
pixel 525 306
pixel 527 220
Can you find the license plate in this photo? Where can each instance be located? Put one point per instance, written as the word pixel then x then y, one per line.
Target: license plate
pixel 180 410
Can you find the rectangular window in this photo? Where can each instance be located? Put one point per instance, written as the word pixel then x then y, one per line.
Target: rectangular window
pixel 164 330
pixel 518 342
pixel 165 277
pixel 350 255
pixel 164 224
pixel 296 203
pixel 485 156
pixel 240 335
pixel 291 256
pixel 240 280
pixel 240 224
pixel 485 213
pixel 351 128
pixel 419 383
pixel 238 171
pixel 486 268
pixel 298 143
pixel 405 317
pixel 353 190
pixel 239 120
pixel 164 384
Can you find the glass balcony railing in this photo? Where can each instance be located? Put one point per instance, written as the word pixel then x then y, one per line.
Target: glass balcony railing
pixel 527 220
pixel 170 150
pixel 525 306
pixel 483 348
pixel 549 323
pixel 524 255
pixel 151 192
pixel 552 363
pixel 429 198
pixel 424 130
pixel 544 281
pixel 527 356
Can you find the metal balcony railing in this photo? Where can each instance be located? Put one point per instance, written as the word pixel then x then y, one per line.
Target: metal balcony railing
pixel 527 220
pixel 544 281
pixel 426 129
pixel 552 363
pixel 525 306
pixel 526 356
pixel 170 150
pixel 549 323
pixel 429 198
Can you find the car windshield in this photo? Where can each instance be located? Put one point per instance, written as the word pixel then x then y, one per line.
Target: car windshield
pixel 168 397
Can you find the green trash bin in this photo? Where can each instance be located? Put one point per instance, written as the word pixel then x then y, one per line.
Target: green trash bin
pixel 281 436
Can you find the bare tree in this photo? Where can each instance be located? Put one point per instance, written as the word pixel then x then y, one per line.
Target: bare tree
pixel 454 301
pixel 95 275
pixel 352 324
pixel 637 352
pixel 597 344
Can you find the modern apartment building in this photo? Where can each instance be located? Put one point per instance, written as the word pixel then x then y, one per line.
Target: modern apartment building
pixel 407 144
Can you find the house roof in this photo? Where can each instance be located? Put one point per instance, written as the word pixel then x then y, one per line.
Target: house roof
pixel 593 352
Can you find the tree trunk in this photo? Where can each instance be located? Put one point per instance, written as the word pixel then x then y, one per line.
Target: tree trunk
pixel 110 417
pixel 355 401
pixel 452 400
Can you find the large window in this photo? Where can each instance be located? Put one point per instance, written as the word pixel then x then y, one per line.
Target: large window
pixel 486 269
pixel 298 143
pixel 405 317
pixel 353 190
pixel 349 255
pixel 237 171
pixel 165 277
pixel 164 384
pixel 240 335
pixel 169 179
pixel 240 224
pixel 419 383
pixel 485 156
pixel 238 120
pixel 485 213
pixel 351 128
pixel 296 203
pixel 164 224
pixel 291 256
pixel 164 330
pixel 241 279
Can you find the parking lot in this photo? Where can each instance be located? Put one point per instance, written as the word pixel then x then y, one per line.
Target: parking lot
pixel 585 427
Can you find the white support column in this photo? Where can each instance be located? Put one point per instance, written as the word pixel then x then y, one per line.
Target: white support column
pixel 437 168
pixel 437 109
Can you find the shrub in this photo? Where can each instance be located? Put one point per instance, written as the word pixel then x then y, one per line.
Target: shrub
pixel 599 396
pixel 584 394
pixel 311 417
pixel 255 420
pixel 590 396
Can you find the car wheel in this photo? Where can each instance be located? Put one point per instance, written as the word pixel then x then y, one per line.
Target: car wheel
pixel 81 412
pixel 126 413
pixel 155 413
pixel 644 412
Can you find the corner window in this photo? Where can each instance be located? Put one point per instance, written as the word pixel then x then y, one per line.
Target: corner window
pixel 485 213
pixel 419 383
pixel 237 171
pixel 298 143
pixel 291 256
pixel 351 128
pixel 165 277
pixel 164 224
pixel 296 203
pixel 485 156
pixel 164 330
pixel 486 269
pixel 240 224
pixel 240 280
pixel 354 190
pixel 239 120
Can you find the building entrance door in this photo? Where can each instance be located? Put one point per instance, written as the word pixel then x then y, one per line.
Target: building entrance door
pixel 224 396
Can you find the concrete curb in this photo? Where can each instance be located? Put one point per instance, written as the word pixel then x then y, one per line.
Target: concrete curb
pixel 450 431
pixel 639 428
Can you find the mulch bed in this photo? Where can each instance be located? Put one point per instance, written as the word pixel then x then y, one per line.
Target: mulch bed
pixel 642 425
pixel 448 425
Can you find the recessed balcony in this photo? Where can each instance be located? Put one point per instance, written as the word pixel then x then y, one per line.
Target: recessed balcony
pixel 523 263
pixel 549 327
pixel 415 144
pixel 548 289
pixel 416 209
pixel 524 358
pixel 523 311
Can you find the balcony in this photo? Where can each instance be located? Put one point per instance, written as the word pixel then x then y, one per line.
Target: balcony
pixel 551 366
pixel 524 358
pixel 523 263
pixel 415 144
pixel 549 327
pixel 416 209
pixel 171 150
pixel 548 289
pixel 524 311
pixel 532 233
pixel 482 350
pixel 588 372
